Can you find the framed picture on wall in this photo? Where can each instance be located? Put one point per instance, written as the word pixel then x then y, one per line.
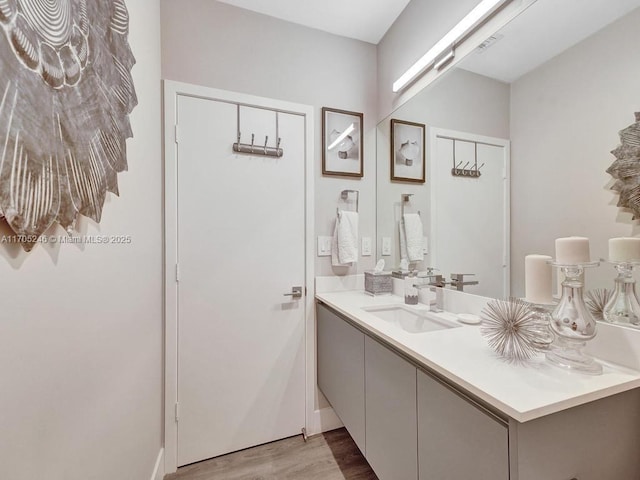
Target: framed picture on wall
pixel 342 143
pixel 407 151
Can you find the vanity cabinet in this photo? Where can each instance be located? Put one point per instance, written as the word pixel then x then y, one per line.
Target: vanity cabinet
pixel 340 363
pixel 458 438
pixel 391 423
pixel 412 425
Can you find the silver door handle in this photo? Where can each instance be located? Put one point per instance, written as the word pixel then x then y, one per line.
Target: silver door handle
pixel 296 292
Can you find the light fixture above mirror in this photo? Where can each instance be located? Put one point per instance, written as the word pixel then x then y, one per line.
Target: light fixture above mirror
pixel 443 51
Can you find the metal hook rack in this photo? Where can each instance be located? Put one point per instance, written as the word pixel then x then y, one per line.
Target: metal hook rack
pixel 474 171
pixel 405 199
pixel 253 149
pixel 344 195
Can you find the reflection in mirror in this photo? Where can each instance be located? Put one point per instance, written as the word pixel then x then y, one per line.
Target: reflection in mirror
pixel 467 119
pixel 550 92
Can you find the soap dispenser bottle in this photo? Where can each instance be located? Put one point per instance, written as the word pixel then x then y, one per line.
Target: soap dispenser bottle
pixel 410 290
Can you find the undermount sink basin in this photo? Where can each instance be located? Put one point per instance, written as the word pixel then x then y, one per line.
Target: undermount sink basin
pixel 410 320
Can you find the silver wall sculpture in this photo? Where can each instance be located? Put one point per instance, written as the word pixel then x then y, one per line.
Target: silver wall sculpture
pixel 626 168
pixel 66 95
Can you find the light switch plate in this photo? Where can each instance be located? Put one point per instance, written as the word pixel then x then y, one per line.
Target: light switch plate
pixel 324 246
pixel 386 246
pixel 366 246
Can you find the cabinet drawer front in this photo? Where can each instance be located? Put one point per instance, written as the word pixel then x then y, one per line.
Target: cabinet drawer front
pixel 456 439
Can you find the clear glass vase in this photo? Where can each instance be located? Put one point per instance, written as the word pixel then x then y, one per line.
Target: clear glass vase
pixel 542 325
pixel 623 307
pixel 573 324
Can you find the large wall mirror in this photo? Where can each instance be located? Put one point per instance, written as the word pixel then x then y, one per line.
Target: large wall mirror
pixel 517 142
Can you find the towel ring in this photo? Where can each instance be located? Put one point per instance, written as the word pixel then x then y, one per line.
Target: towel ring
pixel 405 199
pixel 345 196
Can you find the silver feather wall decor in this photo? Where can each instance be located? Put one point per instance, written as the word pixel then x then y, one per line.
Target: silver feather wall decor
pixel 66 93
pixel 626 168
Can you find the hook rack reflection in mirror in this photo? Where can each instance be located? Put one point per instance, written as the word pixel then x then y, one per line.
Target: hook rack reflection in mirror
pixel 474 171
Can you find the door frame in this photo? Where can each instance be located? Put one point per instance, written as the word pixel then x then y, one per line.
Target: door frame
pixel 171 92
pixel 434 134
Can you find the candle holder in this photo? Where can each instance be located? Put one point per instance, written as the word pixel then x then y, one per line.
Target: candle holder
pixel 623 307
pixel 542 313
pixel 572 323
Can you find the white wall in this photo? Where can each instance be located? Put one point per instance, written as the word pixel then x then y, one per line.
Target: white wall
pixel 81 329
pixel 217 45
pixel 462 100
pixel 565 116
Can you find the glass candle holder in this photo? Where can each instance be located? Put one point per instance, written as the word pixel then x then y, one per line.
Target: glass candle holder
pixel 623 307
pixel 542 313
pixel 572 323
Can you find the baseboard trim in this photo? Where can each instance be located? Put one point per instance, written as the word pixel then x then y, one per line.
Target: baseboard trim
pixel 158 470
pixel 323 420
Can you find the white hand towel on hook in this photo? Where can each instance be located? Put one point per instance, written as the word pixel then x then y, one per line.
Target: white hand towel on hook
pixel 344 248
pixel 413 236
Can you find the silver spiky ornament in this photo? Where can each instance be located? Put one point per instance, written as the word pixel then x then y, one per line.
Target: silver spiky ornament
pixel 512 328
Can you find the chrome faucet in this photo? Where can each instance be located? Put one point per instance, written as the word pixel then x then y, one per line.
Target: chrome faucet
pixel 434 281
pixel 457 281
pixel 437 305
pixel 435 285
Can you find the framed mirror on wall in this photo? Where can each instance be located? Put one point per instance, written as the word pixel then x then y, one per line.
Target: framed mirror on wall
pixel 540 99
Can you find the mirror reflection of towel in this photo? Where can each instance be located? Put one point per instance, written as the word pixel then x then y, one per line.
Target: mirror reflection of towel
pixel 344 248
pixel 413 234
pixel 403 241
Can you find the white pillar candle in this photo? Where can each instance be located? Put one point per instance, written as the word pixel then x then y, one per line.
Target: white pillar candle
pixel 572 250
pixel 624 249
pixel 537 279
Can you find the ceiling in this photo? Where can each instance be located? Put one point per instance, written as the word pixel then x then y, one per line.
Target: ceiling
pixel 544 30
pixel 360 19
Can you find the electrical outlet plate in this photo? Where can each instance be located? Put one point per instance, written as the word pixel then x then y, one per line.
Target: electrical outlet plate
pixel 366 246
pixel 324 246
pixel 386 246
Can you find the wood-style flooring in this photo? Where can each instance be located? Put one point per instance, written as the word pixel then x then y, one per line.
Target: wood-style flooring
pixel 329 456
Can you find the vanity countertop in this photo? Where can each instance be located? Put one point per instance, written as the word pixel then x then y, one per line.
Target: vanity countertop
pixel 521 391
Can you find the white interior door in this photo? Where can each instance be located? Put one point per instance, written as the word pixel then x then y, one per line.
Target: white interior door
pixel 241 247
pixel 470 229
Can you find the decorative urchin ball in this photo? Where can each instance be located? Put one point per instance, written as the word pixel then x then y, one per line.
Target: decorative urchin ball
pixel 596 300
pixel 511 328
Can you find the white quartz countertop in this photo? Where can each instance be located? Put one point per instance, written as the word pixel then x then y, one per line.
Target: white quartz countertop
pixel 521 391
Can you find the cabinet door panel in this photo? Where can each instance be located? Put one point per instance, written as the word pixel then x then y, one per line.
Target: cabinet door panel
pixel 595 441
pixel 390 385
pixel 341 370
pixel 457 440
